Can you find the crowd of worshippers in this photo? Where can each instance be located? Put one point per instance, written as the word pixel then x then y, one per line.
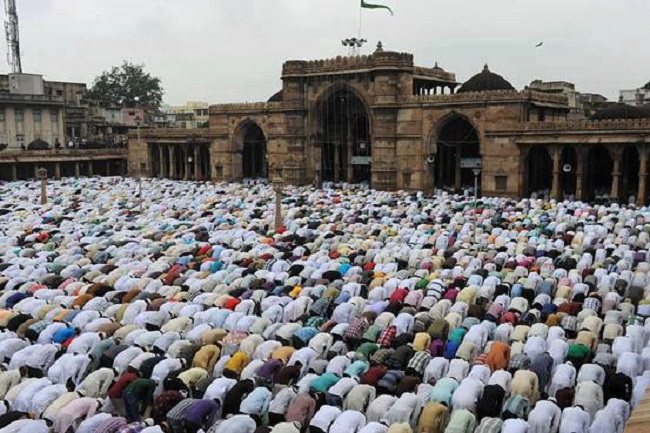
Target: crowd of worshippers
pixel 368 312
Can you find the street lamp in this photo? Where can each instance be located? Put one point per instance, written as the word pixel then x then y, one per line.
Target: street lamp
pixel 137 118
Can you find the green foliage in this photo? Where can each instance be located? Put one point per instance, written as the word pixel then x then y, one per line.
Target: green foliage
pixel 120 86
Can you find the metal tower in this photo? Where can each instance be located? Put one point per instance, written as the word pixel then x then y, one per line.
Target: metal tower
pixel 11 31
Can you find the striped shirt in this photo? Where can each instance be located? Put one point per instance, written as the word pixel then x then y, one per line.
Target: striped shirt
pixel 178 412
pixel 490 425
pixel 111 425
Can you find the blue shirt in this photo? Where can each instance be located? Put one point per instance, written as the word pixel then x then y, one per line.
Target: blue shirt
pixel 62 335
pixel 306 333
pixel 357 368
pixel 257 402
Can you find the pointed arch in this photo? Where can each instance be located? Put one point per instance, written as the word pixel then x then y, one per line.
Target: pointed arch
pixel 539 170
pixel 250 151
pixel 454 137
pixel 342 131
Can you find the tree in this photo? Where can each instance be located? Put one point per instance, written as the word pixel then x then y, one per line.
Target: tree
pixel 126 85
pixel 647 86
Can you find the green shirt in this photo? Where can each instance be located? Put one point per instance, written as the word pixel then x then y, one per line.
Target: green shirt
pixel 324 382
pixel 578 351
pixel 367 349
pixel 372 334
pixel 142 388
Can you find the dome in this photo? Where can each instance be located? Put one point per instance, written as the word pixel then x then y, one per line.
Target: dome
pixel 621 111
pixel 277 97
pixel 38 144
pixel 485 81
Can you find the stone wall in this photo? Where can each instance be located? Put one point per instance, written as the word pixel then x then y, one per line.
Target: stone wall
pixel 404 127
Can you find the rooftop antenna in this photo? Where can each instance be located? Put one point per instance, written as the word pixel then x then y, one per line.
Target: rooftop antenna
pixel 12 34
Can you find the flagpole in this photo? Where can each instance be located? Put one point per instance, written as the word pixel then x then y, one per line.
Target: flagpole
pixel 360 12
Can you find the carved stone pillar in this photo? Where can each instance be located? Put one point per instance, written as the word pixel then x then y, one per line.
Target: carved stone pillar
pixel 172 162
pixel 337 156
pixel 186 165
pixel 161 162
pixel 643 175
pixel 557 161
pixel 197 164
pixel 457 176
pixel 580 187
pixel 616 173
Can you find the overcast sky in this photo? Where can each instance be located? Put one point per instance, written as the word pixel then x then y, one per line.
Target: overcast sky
pixel 233 50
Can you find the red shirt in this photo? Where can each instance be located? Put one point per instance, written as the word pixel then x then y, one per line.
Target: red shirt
pixel 386 337
pixel 118 387
pixel 399 295
pixel 231 303
pixel 372 376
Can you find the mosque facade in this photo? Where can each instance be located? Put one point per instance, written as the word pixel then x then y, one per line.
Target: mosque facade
pixel 383 120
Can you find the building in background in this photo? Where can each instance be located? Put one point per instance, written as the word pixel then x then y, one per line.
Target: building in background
pixel 30 117
pixel 637 97
pixel 383 120
pixel 592 102
pixel 189 116
pixel 58 113
pixel 558 87
pixel 561 88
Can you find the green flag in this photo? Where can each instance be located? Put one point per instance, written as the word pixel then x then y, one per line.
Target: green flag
pixel 375 6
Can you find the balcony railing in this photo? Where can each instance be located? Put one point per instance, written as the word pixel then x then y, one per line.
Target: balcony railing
pixel 11 97
pixel 62 152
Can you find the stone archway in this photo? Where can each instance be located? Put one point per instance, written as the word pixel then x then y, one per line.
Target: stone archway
pixel 250 157
pixel 539 170
pixel 164 162
pixel 155 163
pixel 599 173
pixel 179 162
pixel 343 134
pixel 203 154
pixel 456 138
pixel 568 168
pixel 629 173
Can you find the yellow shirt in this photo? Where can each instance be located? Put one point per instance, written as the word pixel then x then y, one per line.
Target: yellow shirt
pixel 421 341
pixel 283 353
pixel 192 376
pixel 587 339
pixel 206 357
pixel 62 315
pixel 237 362
pixel 467 295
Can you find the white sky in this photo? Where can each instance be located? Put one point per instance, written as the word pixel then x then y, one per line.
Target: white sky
pixel 233 50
